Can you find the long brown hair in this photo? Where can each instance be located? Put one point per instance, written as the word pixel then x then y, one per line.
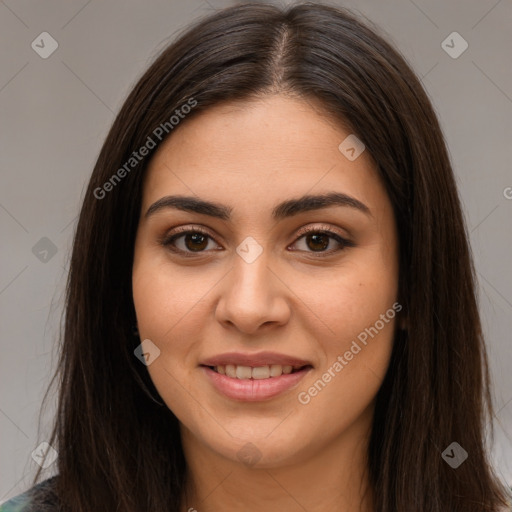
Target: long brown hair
pixel 119 448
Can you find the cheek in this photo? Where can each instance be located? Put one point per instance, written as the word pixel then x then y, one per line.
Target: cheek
pixel 165 306
pixel 356 353
pixel 363 339
pixel 359 312
pixel 166 298
pixel 170 307
pixel 356 298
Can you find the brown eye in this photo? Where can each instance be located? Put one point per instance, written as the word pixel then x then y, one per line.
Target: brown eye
pixel 196 241
pixel 315 240
pixel 188 241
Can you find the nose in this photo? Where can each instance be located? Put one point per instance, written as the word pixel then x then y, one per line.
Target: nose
pixel 252 296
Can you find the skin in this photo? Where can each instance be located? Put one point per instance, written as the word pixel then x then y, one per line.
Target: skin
pixel 251 156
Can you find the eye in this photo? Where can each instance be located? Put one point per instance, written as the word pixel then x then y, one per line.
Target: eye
pixel 194 240
pixel 187 241
pixel 318 239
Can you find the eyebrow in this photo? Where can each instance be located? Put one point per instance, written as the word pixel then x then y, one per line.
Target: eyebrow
pixel 283 210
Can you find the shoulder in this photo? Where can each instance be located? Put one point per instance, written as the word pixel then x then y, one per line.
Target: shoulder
pixel 25 502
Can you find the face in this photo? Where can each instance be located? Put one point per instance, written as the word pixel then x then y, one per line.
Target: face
pixel 262 278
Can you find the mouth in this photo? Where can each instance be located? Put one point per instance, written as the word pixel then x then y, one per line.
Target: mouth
pixel 254 383
pixel 243 372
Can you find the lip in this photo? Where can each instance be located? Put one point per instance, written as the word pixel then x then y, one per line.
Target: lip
pixel 254 390
pixel 257 359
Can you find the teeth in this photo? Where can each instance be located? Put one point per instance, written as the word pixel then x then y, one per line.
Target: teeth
pixel 259 372
pixel 276 370
pixel 243 372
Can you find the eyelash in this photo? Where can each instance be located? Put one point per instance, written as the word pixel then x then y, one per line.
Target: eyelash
pixel 168 240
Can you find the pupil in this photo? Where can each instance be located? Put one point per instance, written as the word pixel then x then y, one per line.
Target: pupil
pixel 315 238
pixel 195 238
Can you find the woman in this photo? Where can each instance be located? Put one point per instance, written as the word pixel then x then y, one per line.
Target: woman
pixel 271 300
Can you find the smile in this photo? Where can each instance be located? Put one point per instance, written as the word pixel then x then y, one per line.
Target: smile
pixel 258 372
pixel 252 384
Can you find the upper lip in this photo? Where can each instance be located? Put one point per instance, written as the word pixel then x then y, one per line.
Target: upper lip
pixel 257 359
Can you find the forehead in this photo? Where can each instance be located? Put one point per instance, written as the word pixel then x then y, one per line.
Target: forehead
pixel 265 149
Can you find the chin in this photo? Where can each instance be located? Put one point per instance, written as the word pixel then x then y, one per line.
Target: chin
pixel 260 451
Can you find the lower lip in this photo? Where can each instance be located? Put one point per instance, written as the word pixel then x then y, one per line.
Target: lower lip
pixel 254 390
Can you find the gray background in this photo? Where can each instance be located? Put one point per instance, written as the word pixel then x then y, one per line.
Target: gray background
pixel 55 114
